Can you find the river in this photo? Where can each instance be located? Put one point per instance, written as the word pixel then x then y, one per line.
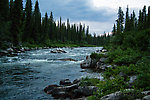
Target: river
pixel 25 76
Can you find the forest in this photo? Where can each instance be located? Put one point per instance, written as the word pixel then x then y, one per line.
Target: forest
pixel 25 26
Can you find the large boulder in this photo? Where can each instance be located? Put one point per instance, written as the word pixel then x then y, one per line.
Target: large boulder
pixel 3 52
pixel 146 97
pixel 68 59
pixel 86 63
pixel 65 82
pixel 72 91
pixel 58 51
pixel 84 91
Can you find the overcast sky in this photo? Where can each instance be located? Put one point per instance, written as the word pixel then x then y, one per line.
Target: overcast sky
pixel 100 15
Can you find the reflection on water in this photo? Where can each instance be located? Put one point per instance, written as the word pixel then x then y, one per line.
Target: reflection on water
pixel 24 77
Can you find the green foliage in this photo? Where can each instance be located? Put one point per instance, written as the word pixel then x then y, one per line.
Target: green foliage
pixel 89 82
pixel 97 56
pixel 120 57
pixel 132 94
pixel 109 86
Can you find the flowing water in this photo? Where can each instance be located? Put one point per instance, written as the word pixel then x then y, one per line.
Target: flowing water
pixel 25 76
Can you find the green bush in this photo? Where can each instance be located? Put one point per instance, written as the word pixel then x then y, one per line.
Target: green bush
pixel 109 86
pixel 126 57
pixel 96 56
pixel 89 82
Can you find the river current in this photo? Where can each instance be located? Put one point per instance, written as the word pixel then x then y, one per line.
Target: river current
pixel 25 76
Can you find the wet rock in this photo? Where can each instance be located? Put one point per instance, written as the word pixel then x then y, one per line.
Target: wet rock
pixel 76 81
pixel 102 60
pixel 3 52
pixel 132 79
pixel 72 91
pixel 68 59
pixel 146 92
pixel 146 97
pixel 58 51
pixel 84 91
pixel 113 96
pixel 65 82
pixel 86 63
pixel 50 88
pixel 103 50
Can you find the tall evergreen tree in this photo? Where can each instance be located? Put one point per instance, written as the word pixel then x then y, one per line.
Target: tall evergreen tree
pixel 45 28
pixel 28 21
pixel 148 21
pixel 36 23
pixel 127 24
pixel 140 21
pixel 51 33
pixel 120 21
pixel 114 30
pixel 4 26
pixel 4 9
pixel 16 26
pixel 144 17
pixel 11 6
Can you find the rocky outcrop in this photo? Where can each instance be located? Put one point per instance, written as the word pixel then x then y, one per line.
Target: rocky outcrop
pixel 86 63
pixel 67 59
pixel 68 89
pixel 58 51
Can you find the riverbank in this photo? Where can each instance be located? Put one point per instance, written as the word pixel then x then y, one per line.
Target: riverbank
pixel 126 74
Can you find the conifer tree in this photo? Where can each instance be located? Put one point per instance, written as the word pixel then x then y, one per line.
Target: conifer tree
pixel 140 21
pixel 4 10
pixel 16 26
pixel 120 21
pixel 28 21
pixel 36 23
pixel 114 30
pixel 11 6
pixel 51 33
pixel 144 17
pixel 127 23
pixel 45 28
pixel 148 21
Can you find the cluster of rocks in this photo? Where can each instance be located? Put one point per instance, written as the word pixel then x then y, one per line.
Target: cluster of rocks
pixel 13 51
pixel 58 51
pixel 68 89
pixel 119 95
pixel 98 64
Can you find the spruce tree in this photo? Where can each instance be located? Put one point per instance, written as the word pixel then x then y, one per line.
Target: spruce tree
pixel 11 7
pixel 28 21
pixel 4 10
pixel 127 23
pixel 16 26
pixel 36 23
pixel 140 21
pixel 45 28
pixel 148 21
pixel 120 21
pixel 51 33
pixel 114 30
pixel 144 17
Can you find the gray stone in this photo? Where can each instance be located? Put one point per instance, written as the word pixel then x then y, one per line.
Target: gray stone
pixel 103 59
pixel 86 63
pixel 132 79
pixel 146 92
pixel 65 82
pixel 146 97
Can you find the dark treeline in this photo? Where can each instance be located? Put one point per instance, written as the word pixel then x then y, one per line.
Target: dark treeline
pixel 136 31
pixel 20 25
